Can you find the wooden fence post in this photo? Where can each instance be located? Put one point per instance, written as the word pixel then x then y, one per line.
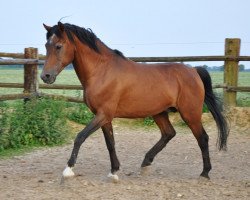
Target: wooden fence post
pixel 232 49
pixel 30 72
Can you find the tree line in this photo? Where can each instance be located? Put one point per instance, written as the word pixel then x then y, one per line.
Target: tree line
pixel 221 68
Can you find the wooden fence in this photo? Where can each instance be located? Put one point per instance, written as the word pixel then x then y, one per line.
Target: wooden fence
pixel 31 59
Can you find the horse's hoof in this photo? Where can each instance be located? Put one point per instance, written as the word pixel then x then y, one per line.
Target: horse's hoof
pixel 145 170
pixel 68 172
pixel 113 177
pixel 204 176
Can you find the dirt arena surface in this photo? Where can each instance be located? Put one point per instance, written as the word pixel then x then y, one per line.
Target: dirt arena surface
pixel 174 173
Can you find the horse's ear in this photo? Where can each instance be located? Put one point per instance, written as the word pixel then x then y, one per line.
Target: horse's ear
pixel 61 26
pixel 47 27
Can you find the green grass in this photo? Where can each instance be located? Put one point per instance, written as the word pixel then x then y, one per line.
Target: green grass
pixel 17 76
pixel 243 98
pixel 15 152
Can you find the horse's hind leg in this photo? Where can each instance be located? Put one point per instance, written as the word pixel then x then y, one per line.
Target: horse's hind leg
pixel 167 133
pixel 194 122
pixel 110 142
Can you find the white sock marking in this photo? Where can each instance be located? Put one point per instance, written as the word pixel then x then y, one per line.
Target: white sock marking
pixel 68 172
pixel 114 177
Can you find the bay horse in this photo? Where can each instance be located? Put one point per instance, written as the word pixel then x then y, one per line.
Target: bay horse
pixel 116 87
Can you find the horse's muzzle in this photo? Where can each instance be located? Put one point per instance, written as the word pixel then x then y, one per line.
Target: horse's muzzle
pixel 48 78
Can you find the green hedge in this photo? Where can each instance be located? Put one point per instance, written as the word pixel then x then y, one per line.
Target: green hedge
pixel 37 122
pixel 80 113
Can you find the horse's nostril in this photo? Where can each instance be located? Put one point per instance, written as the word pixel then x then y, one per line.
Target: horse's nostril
pixel 48 78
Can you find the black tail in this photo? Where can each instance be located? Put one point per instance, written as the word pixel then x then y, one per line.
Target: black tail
pixel 212 103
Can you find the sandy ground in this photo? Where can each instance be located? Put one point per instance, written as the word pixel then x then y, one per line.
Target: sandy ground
pixel 173 175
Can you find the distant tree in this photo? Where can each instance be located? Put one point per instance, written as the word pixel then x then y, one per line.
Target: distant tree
pixel 188 65
pixel 241 67
pixel 205 66
pixel 217 68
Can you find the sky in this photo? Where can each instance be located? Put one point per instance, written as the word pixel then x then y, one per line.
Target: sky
pixel 135 27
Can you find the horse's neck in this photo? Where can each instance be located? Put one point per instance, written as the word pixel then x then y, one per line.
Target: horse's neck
pixel 87 62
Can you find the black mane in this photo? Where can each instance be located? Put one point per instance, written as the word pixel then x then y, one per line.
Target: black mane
pixel 86 36
pixel 117 52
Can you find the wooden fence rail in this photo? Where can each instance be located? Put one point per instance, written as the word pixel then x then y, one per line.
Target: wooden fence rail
pixel 43 86
pixel 137 59
pixel 31 59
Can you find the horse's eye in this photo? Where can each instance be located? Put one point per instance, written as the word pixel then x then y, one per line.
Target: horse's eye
pixel 58 47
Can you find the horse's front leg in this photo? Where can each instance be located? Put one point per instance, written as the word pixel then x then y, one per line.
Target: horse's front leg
pixel 95 124
pixel 110 142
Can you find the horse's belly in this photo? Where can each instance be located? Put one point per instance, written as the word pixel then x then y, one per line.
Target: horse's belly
pixel 143 107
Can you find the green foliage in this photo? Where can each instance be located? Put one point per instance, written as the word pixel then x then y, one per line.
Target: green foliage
pixel 80 114
pixel 205 109
pixel 241 67
pixel 243 102
pixel 148 121
pixel 4 119
pixel 38 122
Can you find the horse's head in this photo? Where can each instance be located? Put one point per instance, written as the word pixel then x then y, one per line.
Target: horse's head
pixel 60 52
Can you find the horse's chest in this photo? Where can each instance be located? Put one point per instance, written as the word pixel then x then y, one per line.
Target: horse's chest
pixel 91 101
